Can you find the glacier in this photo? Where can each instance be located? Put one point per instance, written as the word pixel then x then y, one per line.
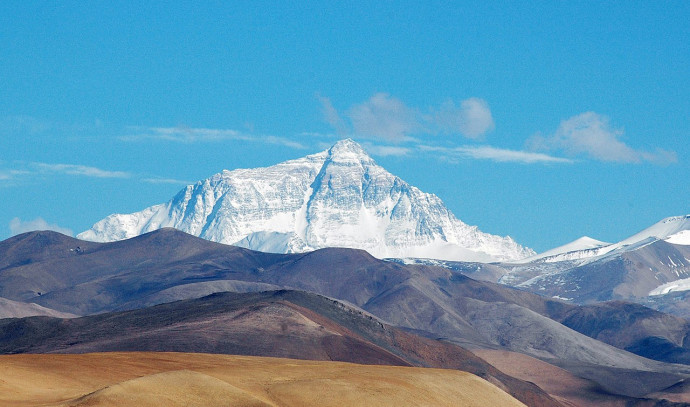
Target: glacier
pixel 336 198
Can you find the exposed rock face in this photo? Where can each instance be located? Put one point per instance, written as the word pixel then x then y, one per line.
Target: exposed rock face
pixel 336 198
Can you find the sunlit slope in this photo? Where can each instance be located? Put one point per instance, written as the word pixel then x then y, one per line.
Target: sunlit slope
pixel 180 379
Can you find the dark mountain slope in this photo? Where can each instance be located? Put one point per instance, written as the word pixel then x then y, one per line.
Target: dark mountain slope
pixel 167 265
pixel 83 277
pixel 279 323
pixel 633 327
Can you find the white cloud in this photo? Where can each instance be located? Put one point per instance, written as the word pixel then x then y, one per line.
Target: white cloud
pixel 472 118
pixel 17 226
pixel 203 135
pixel 388 118
pixel 82 170
pixel 591 134
pixel 383 116
pixel 494 154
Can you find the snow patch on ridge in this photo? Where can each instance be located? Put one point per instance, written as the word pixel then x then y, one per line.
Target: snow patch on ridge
pixel 674 286
pixel 680 238
pixel 659 231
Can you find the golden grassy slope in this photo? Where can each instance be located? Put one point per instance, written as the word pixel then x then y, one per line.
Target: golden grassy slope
pixel 183 379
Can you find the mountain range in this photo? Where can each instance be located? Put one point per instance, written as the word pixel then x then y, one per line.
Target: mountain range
pixel 336 198
pixel 152 293
pixel 342 198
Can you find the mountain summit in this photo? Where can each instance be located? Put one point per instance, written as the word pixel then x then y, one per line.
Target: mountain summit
pixel 337 198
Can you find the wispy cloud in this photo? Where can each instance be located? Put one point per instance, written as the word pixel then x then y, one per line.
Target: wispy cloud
pixel 494 154
pixel 188 135
pixel 23 125
pixel 11 177
pixel 331 115
pixel 27 127
pixel 165 181
pixel 465 152
pixel 590 134
pixel 183 134
pixel 81 170
pixel 17 226
pixel 23 170
pixel 281 141
pixel 388 118
pixel 386 151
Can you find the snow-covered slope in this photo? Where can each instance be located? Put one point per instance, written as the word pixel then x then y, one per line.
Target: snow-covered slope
pixel 582 247
pixel 667 228
pixel 336 198
pixel 675 230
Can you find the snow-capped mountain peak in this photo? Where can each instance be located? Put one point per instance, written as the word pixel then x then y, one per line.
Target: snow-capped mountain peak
pixel 675 230
pixel 349 151
pixel 337 198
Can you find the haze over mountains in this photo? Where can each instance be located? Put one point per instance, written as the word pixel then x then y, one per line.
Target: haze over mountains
pixel 336 198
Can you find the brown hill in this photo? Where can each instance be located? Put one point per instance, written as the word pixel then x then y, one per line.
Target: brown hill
pixel 178 379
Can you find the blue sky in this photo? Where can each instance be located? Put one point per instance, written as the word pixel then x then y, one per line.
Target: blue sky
pixel 543 121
